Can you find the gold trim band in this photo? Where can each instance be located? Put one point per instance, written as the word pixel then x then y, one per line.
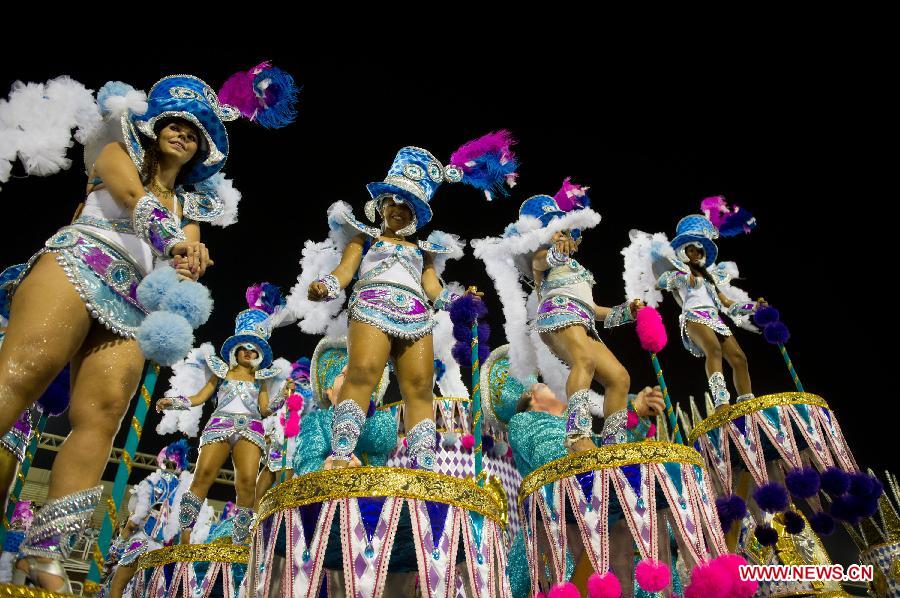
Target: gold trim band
pixel 719 419
pixel 7 589
pixel 614 455
pixel 364 482
pixel 191 553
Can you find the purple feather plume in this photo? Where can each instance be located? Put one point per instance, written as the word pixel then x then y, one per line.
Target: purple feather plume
pixel 300 369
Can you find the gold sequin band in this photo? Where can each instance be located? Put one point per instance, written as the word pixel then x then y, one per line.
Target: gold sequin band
pixel 145 394
pixel 98 557
pixel 194 553
pixel 136 425
pixel 7 589
pixel 90 588
pixel 363 482
pixel 614 455
pixel 720 418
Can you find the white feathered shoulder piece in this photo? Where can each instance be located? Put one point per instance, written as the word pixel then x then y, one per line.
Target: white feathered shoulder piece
pixel 646 259
pixel 188 377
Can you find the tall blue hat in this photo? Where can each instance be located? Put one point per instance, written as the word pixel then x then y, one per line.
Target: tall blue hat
pixel 187 97
pixel 696 229
pixel 500 389
pixel 250 327
pixel 485 163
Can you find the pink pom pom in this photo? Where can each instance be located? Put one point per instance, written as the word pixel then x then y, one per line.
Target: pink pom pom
pixel 509 453
pixel 295 402
pixel 652 577
pixel 709 580
pixel 468 441
pixel 650 330
pixel 632 420
pixel 540 595
pixel 651 431
pixel 292 425
pixel 404 442
pixel 564 590
pixel 731 563
pixel 604 586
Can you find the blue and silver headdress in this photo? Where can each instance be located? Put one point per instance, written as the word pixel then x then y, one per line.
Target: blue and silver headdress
pixel 699 231
pixel 486 163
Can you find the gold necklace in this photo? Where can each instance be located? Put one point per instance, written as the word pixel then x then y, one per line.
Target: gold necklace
pixel 160 191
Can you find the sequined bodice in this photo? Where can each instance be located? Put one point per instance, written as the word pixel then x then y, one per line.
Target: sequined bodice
pixel 570 279
pixel 393 263
pixel 234 394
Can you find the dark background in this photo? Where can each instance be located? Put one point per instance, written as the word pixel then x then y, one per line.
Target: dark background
pixel 791 136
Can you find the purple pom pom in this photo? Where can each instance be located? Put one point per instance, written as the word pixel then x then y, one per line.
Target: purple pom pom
pixel 487 443
pixel 766 535
pixel 766 315
pixel 793 522
pixel 861 484
pixel 803 483
pixel 466 309
pixel 462 333
pixel 462 353
pixel 776 333
pixel 835 481
pixel 484 351
pixel 867 506
pixel 484 332
pixel 822 523
pixel 771 497
pixel 731 508
pixel 845 508
pixel 877 488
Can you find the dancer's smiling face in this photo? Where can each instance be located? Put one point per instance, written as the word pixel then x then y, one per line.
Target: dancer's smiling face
pixel 396 215
pixel 178 141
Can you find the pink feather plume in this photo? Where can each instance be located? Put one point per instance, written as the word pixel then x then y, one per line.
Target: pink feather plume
pixel 571 196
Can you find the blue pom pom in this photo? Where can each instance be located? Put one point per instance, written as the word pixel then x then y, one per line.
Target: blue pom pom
pixel 771 497
pixel 793 522
pixel 862 484
pixel 766 315
pixel 111 89
pixel 55 399
pixel 190 300
pixel 281 98
pixel 822 523
pixel 155 286
pixel 766 535
pixel 776 333
pixel 803 483
pixel 835 481
pixel 165 337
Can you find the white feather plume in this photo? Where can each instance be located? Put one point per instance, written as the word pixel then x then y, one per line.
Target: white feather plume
pixel 231 197
pixel 451 383
pixel 188 377
pixel 642 259
pixel 114 105
pixel 141 496
pixel 276 384
pixel 318 259
pixel 36 123
pixel 450 241
pixel 204 524
pixel 172 526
